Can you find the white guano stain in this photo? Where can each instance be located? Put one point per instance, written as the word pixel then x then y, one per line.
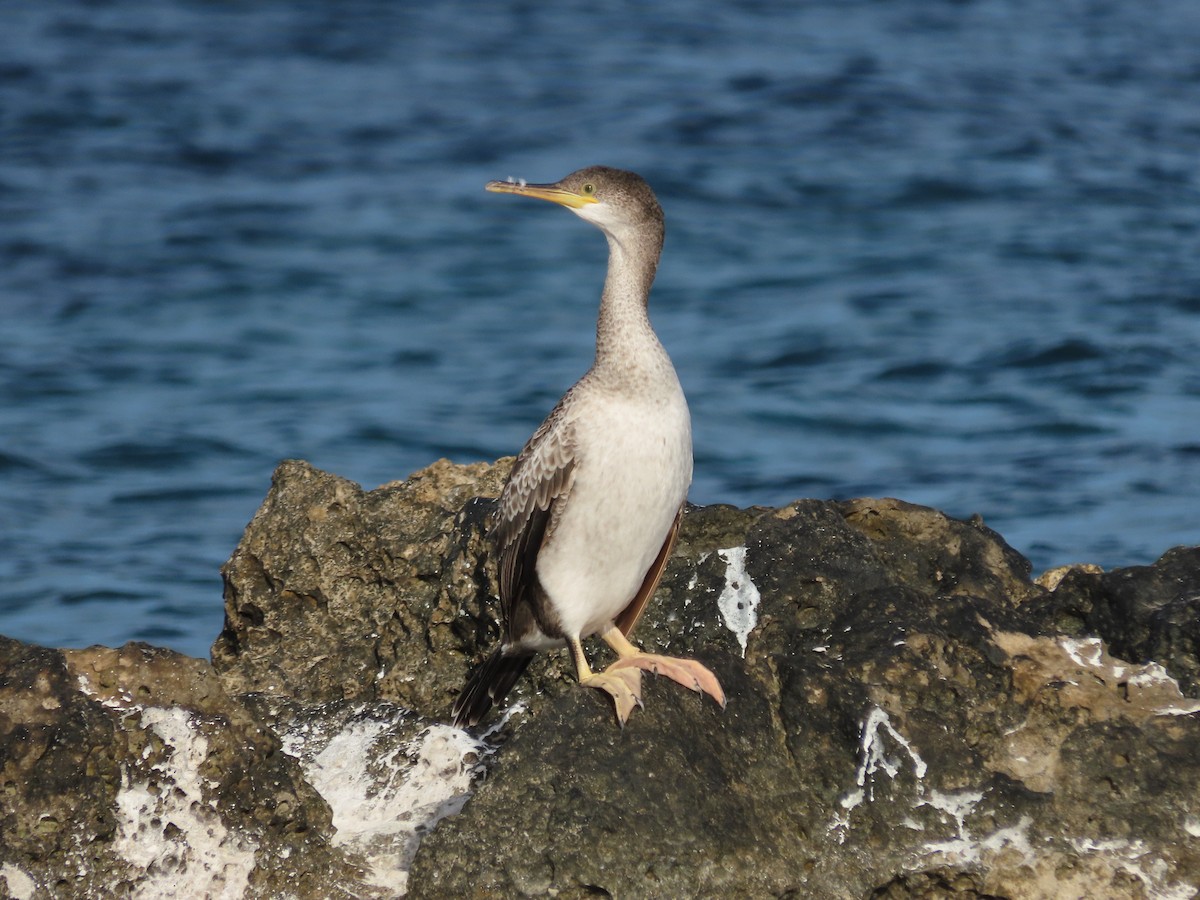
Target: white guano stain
pixel 386 792
pixel 882 751
pixel 1088 652
pixel 873 755
pixel 873 758
pixel 20 885
pixel 1136 859
pixel 168 831
pixel 426 780
pixel 967 849
pixel 1150 679
pixel 739 599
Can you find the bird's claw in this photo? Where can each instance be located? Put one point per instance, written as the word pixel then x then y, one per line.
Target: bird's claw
pixel 625 688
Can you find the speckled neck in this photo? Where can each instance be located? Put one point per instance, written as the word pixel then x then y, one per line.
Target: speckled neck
pixel 627 349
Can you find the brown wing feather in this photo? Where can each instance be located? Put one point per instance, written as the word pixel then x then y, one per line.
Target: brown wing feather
pixel 541 477
pixel 630 615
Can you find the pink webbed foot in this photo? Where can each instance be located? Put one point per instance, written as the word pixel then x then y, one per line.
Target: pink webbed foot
pixel 687 672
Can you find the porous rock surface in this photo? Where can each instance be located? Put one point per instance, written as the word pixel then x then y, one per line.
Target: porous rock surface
pixel 909 715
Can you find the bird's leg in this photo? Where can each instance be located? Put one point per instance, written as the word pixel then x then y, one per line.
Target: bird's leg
pixel 625 687
pixel 687 672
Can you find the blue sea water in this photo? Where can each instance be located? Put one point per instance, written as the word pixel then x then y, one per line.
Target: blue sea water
pixel 943 251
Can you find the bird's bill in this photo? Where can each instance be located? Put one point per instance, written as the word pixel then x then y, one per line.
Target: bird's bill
pixel 551 192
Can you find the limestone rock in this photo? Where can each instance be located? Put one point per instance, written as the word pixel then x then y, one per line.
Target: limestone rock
pixel 132 771
pixel 909 716
pixel 1141 612
pixel 331 585
pixel 898 727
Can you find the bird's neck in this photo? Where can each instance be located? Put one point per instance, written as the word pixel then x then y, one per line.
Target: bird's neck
pixel 626 345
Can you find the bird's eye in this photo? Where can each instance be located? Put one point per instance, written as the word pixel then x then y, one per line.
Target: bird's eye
pixel 589 189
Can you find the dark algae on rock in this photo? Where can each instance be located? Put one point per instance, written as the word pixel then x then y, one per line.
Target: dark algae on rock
pixel 909 715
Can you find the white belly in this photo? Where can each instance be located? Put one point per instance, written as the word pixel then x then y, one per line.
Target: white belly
pixel 632 472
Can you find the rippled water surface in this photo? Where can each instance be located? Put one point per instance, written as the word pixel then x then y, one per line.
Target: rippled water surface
pixel 941 251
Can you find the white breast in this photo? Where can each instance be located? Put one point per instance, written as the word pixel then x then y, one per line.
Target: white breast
pixel 632 472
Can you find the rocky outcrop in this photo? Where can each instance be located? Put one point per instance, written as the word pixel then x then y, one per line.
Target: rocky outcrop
pixel 133 771
pixel 909 716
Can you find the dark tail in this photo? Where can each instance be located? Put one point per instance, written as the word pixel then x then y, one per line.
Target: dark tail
pixel 487 685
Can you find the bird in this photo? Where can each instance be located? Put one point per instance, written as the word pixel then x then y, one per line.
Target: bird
pixel 590 512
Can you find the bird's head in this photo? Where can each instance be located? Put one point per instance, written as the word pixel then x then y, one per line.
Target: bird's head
pixel 616 201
